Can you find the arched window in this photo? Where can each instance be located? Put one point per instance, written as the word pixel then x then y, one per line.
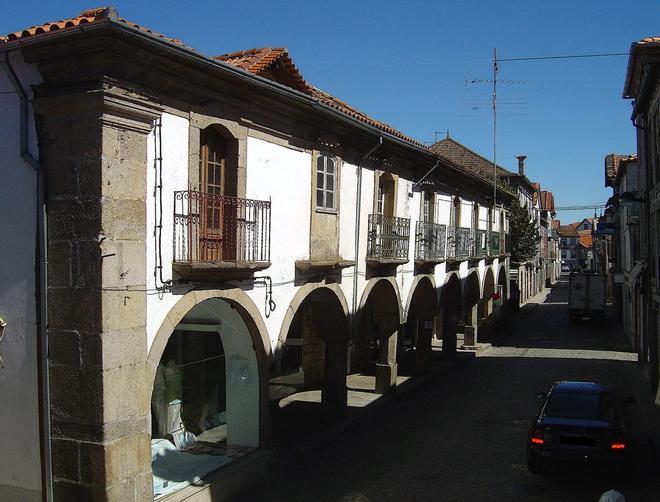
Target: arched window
pixel 326 182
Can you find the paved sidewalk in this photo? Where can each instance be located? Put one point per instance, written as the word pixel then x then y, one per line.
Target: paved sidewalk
pixel 297 428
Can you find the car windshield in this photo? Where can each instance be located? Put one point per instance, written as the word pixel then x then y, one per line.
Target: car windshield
pixel 581 406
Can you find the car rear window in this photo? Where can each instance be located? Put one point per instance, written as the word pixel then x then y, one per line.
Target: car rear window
pixel 581 406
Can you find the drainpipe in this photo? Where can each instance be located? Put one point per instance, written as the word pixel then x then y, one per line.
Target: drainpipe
pixel 41 281
pixel 358 200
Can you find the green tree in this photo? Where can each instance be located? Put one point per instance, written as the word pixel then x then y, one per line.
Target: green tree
pixel 524 235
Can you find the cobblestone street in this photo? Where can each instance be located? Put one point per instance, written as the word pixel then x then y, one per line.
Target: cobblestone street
pixel 461 436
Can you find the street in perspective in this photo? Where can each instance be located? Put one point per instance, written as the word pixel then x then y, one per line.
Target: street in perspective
pixel 463 433
pixel 334 251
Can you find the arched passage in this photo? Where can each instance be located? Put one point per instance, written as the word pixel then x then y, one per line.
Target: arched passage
pixel 376 337
pixel 450 302
pixel 313 347
pixel 486 302
pixel 208 364
pixel 471 297
pixel 418 330
pixel 503 284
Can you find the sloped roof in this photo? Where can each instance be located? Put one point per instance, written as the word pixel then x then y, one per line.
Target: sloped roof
pixel 470 161
pixel 271 63
pixel 612 166
pixel 586 240
pixel 632 83
pixel 86 17
pixel 567 231
pixel 264 62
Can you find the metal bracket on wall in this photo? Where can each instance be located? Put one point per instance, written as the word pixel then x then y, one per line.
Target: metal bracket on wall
pixel 269 303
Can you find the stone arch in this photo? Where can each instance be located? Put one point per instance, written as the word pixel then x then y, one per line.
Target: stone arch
pixel 471 298
pixel 317 321
pixel 450 306
pixel 413 288
pixel 370 286
pixel 414 348
pixel 471 288
pixel 298 299
pixel 249 313
pixel 488 288
pixel 377 324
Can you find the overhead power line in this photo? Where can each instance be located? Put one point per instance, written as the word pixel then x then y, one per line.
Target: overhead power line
pixel 566 56
pixel 580 208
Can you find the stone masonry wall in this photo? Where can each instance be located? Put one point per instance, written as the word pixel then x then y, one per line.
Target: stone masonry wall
pixel 93 145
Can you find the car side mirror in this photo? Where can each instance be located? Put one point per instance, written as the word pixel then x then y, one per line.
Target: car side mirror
pixel 541 395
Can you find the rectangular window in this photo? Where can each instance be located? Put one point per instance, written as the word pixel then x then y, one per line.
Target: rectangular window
pixel 325 182
pixel 427 207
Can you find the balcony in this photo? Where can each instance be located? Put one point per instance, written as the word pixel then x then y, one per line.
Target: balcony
pixel 219 237
pixel 430 242
pixel 388 238
pixel 480 244
pixel 459 242
pixel 494 244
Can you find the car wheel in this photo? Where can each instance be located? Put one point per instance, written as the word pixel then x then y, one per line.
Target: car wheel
pixel 534 466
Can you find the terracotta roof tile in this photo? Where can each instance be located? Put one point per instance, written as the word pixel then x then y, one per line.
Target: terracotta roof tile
pixel 272 63
pixel 567 231
pixel 88 16
pixel 613 163
pixel 262 62
pixel 469 160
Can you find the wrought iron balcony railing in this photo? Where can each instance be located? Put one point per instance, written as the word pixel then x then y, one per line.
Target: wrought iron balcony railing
pixel 218 228
pixel 459 240
pixel 430 241
pixel 388 238
pixel 494 243
pixel 480 245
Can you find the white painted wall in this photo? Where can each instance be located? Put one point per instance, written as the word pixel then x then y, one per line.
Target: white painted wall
pixel 175 177
pixel 283 175
pixel 19 413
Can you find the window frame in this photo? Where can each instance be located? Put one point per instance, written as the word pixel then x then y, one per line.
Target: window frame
pixel 323 190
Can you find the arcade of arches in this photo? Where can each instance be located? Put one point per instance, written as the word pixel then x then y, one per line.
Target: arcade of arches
pixel 216 386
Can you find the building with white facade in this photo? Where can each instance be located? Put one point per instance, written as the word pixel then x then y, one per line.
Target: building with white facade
pixel 196 237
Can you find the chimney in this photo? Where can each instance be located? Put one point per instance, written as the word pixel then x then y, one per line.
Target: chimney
pixel 521 164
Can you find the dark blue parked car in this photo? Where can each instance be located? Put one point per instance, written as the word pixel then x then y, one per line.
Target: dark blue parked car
pixel 578 423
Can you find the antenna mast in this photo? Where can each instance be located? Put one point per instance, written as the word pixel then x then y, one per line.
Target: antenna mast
pixel 494 130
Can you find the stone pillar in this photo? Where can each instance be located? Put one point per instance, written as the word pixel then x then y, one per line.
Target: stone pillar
pixel 424 336
pixel 470 332
pixel 93 146
pixel 449 329
pixel 334 397
pixel 386 368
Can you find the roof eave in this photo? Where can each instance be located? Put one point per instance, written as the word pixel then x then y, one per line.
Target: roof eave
pixel 213 65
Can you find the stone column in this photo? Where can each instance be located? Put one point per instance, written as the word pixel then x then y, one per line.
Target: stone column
pixel 386 367
pixel 93 146
pixel 449 329
pixel 470 332
pixel 334 397
pixel 424 336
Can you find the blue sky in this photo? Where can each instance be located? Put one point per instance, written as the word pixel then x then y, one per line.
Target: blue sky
pixel 406 63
